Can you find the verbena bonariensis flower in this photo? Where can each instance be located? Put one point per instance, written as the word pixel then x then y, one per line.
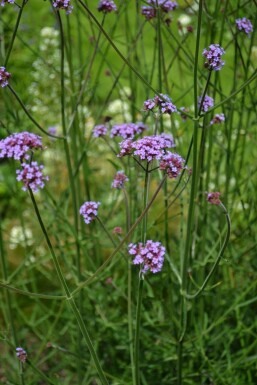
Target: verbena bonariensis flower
pixel 127 130
pixel 163 103
pixel 213 57
pixel 4 77
pixel 150 255
pixel 89 211
pixel 63 4
pixel 31 176
pixel 244 25
pixel 3 2
pixel 18 145
pixel 172 163
pixel 147 148
pixel 119 180
pixel 208 102
pixel 150 11
pixel 214 198
pixel 106 6
pixel 21 354
pixel 218 119
pixel 100 130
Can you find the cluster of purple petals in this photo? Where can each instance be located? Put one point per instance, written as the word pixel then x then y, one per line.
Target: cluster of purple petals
pixel 21 354
pixel 119 180
pixel 3 2
pixel 172 163
pixel 127 130
pixel 89 211
pixel 218 119
pixel 4 77
pixel 150 11
pixel 150 255
pixel 147 148
pixel 100 130
pixel 63 4
pixel 164 104
pixel 244 25
pixel 214 198
pixel 18 145
pixel 31 175
pixel 213 57
pixel 106 6
pixel 208 102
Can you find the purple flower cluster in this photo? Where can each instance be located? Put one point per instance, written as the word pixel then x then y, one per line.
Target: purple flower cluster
pixel 150 255
pixel 18 145
pixel 244 25
pixel 127 130
pixel 106 6
pixel 100 130
pixel 31 175
pixel 63 4
pixel 21 354
pixel 89 211
pixel 150 11
pixel 3 2
pixel 172 163
pixel 208 102
pixel 163 103
pixel 4 76
pixel 213 57
pixel 218 119
pixel 147 148
pixel 119 180
pixel 214 198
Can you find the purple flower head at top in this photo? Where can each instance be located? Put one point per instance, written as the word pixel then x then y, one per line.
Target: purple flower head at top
pixel 3 2
pixel 214 198
pixel 148 148
pixel 4 77
pixel 31 175
pixel 119 180
pixel 218 119
pixel 63 4
pixel 150 11
pixel 164 104
pixel 100 130
pixel 18 145
pixel 244 25
pixel 106 6
pixel 150 255
pixel 21 354
pixel 127 130
pixel 208 102
pixel 213 57
pixel 89 211
pixel 172 163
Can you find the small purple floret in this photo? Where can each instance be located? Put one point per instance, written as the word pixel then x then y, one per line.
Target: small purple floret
pixel 89 211
pixel 214 198
pixel 100 130
pixel 127 130
pixel 208 102
pixel 119 180
pixel 162 102
pixel 150 255
pixel 18 145
pixel 172 163
pixel 244 25
pixel 63 4
pixel 106 6
pixel 4 77
pixel 213 57
pixel 3 2
pixel 32 177
pixel 21 354
pixel 218 119
pixel 165 6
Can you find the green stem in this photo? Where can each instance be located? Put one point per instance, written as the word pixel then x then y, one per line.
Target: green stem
pixel 214 267
pixel 69 296
pixel 137 331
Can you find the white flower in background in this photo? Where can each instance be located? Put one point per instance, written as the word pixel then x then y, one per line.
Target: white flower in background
pixel 20 237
